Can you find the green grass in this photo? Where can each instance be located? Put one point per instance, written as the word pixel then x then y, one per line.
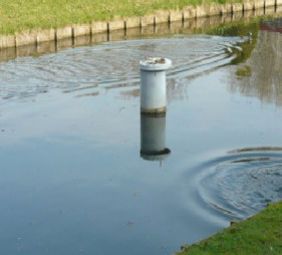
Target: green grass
pixel 19 15
pixel 259 235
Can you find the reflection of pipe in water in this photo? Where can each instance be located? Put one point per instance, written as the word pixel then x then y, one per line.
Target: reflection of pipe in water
pixel 153 129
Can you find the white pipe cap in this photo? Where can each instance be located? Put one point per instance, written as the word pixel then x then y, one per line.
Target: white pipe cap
pixel 155 64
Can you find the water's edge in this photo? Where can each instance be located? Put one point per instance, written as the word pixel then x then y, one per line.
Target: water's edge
pixel 185 26
pixel 230 232
pixel 36 37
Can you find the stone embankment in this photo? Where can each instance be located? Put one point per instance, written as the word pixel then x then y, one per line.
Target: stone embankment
pixel 37 37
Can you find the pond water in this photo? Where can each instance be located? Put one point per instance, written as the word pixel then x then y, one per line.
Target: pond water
pixel 73 180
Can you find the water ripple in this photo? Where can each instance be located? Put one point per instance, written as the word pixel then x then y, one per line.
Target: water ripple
pixel 111 65
pixel 242 182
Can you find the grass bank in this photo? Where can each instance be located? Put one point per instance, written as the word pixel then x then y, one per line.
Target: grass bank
pixel 259 235
pixel 20 15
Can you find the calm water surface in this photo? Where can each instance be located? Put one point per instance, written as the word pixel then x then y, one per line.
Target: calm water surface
pixel 72 177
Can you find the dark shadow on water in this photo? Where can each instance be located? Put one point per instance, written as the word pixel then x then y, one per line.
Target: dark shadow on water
pixel 260 74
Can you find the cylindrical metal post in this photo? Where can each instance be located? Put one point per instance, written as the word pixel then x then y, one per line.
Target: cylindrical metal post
pixel 153 85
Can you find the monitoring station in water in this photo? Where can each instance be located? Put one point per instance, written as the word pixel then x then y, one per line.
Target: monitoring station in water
pixel 153 85
pixel 153 108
